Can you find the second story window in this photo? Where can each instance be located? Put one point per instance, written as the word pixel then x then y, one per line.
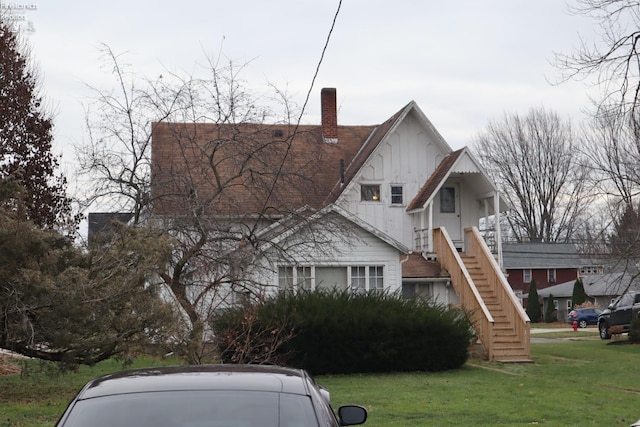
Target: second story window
pixel 551 273
pixel 526 273
pixel 396 195
pixel 370 193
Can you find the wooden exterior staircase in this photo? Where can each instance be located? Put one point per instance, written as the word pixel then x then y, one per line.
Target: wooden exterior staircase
pixel 500 322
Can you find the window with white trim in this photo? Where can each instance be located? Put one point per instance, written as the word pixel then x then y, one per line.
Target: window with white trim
pixel 359 278
pixel 551 275
pixel 362 278
pixel 367 278
pixel 370 193
pixel 285 278
pixel 569 305
pixel 290 278
pixel 397 197
pixel 526 275
pixel 376 278
pixel 591 269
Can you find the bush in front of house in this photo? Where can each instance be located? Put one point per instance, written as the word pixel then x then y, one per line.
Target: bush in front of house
pixel 342 332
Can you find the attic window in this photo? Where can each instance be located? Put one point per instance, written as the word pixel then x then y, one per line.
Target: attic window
pixel 370 193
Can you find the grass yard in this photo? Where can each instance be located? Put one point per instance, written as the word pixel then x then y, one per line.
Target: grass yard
pixel 571 383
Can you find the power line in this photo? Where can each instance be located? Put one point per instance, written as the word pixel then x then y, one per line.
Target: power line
pixel 315 75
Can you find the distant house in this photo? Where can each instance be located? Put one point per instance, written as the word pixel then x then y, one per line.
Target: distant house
pixel 547 263
pixel 601 289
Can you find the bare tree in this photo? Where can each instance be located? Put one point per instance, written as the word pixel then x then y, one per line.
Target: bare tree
pixel 115 159
pixel 611 145
pixel 231 172
pixel 614 60
pixel 535 162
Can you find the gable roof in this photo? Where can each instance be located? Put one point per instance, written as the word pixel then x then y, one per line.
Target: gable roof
pixel 435 181
pixel 281 230
pixel 231 169
pixel 377 136
pixel 597 285
pixel 533 255
pixel 274 169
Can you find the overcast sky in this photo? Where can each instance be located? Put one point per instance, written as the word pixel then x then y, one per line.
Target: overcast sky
pixel 464 62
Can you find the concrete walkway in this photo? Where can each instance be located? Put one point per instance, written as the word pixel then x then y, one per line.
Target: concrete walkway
pixel 580 333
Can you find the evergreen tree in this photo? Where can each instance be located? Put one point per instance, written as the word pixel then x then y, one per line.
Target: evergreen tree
pixel 26 137
pixel 533 304
pixel 579 296
pixel 549 315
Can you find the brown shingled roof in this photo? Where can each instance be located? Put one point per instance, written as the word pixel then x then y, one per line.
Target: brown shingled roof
pixel 415 266
pixel 435 180
pixel 245 169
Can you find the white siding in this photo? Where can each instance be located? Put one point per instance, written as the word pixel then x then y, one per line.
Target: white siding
pixel 359 248
pixel 407 157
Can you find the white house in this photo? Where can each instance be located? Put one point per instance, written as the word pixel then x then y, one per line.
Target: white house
pixel 386 207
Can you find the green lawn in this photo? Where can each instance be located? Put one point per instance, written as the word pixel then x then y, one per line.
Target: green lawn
pixel 571 383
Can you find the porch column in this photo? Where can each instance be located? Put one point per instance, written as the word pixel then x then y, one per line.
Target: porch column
pixel 496 214
pixel 430 229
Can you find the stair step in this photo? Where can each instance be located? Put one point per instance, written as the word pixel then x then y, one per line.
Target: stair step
pixel 513 359
pixel 507 345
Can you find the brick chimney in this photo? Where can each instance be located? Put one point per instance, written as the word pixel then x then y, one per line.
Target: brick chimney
pixel 329 115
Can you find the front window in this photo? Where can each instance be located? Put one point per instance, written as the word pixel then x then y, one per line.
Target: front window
pixel 367 278
pixel 551 273
pixel 376 278
pixel 285 278
pixel 358 278
pixel 569 304
pixel 290 278
pixel 370 193
pixel 526 275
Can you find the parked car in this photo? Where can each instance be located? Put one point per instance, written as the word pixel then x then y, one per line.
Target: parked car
pixel 619 313
pixel 207 395
pixel 584 316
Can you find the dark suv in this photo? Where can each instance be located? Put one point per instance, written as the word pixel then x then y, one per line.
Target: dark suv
pixel 619 313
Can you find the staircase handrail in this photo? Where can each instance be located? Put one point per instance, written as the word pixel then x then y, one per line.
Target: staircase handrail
pixel 475 244
pixel 466 290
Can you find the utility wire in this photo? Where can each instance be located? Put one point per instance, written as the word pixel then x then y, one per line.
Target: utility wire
pixel 315 75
